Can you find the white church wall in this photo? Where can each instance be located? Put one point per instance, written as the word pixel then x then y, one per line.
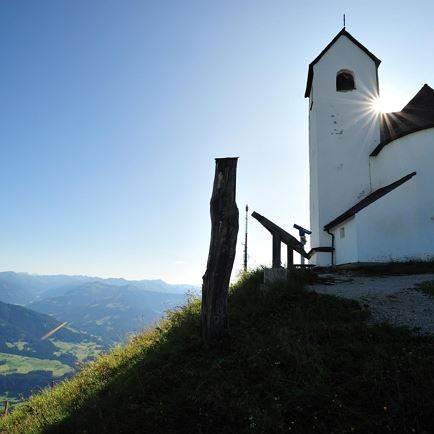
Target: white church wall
pixel 323 259
pixel 346 242
pixel 343 130
pixel 313 188
pixel 397 227
pixel 411 153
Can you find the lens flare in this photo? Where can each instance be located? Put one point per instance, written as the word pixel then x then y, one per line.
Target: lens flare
pixel 378 105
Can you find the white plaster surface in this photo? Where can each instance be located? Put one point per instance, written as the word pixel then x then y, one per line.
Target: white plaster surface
pixel 414 152
pixel 397 227
pixel 346 248
pixel 343 130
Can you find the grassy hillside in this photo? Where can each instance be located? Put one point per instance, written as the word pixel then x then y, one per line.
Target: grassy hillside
pixel 13 364
pixel 293 361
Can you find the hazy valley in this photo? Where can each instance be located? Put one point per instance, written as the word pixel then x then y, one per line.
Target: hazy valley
pixel 99 313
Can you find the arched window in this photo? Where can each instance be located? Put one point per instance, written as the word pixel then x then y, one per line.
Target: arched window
pixel 344 81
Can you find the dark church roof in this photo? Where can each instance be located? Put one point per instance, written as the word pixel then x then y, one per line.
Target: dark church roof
pixel 417 115
pixel 377 194
pixel 343 32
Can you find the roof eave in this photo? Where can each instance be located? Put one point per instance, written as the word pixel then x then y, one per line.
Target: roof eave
pixel 382 144
pixel 368 200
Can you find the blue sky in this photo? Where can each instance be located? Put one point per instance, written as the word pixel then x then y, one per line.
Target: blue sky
pixel 112 113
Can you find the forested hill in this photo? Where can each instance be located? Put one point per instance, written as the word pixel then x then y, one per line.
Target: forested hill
pixel 28 362
pixel 110 312
pixel 18 323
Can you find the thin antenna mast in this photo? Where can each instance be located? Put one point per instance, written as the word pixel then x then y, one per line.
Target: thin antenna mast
pixel 344 21
pixel 245 239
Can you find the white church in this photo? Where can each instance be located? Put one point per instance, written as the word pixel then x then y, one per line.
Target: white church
pixel 371 174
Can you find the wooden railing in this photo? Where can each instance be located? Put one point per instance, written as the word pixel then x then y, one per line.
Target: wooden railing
pixel 281 236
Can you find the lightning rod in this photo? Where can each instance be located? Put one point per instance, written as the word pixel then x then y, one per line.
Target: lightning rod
pixel 245 239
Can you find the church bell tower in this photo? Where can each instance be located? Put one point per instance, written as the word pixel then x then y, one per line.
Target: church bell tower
pixel 344 128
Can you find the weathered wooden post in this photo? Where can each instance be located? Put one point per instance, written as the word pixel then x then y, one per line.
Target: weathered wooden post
pixel 6 408
pixel 224 232
pixel 290 256
pixel 277 255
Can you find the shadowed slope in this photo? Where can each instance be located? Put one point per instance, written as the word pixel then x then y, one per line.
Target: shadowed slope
pixel 293 361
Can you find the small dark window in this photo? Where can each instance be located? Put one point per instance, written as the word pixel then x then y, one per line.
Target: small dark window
pixel 345 81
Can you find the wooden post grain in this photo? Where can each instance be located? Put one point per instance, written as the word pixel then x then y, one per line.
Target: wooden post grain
pixel 289 256
pixel 6 408
pixel 277 256
pixel 224 232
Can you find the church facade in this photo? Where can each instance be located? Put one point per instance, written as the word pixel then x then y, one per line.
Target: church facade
pixel 371 174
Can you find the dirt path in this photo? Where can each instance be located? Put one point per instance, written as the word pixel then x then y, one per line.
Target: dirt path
pixel 391 299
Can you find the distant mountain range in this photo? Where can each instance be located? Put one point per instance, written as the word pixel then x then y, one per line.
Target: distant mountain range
pixel 23 288
pixel 99 312
pixel 108 311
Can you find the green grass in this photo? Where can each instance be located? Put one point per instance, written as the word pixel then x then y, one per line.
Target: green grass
pixel 15 364
pixel 20 345
pixel 293 361
pixel 103 320
pixel 426 287
pixel 82 351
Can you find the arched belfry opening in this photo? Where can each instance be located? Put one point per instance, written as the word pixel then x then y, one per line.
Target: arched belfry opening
pixel 345 81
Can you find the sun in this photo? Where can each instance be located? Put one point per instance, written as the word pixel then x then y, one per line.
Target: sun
pixel 378 105
pixel 390 101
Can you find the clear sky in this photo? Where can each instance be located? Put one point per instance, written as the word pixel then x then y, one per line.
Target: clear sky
pixel 112 113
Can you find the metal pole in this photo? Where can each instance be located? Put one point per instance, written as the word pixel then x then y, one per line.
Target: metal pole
pixel 245 239
pixel 302 241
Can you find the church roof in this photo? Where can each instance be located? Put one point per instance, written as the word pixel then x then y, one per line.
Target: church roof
pixel 377 194
pixel 343 32
pixel 417 115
